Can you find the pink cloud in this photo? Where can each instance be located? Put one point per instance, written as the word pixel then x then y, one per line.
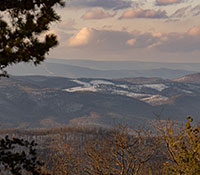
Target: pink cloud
pixel 131 42
pixel 109 44
pixel 140 13
pixel 81 38
pixel 97 14
pixel 194 31
pixel 186 42
pixel 114 41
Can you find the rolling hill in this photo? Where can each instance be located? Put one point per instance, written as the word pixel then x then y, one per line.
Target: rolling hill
pixel 40 101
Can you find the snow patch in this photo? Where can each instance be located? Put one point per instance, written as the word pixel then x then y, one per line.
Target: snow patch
pixel 122 86
pixel 130 94
pixel 98 82
pixel 155 99
pixel 186 91
pixel 158 87
pixel 78 89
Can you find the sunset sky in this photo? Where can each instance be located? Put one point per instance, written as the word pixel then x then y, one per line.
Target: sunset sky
pixel 142 30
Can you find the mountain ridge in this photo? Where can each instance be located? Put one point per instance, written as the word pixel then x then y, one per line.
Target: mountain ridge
pixel 191 78
pixel 39 101
pixel 71 71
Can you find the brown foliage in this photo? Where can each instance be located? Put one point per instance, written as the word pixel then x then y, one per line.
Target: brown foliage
pixel 120 151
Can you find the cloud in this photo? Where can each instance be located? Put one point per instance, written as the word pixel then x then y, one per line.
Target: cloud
pixel 183 12
pixel 97 14
pixel 90 43
pixel 180 13
pixel 112 40
pixel 196 10
pixel 67 24
pixel 194 31
pixel 99 39
pixel 140 13
pixel 181 42
pixel 117 41
pixel 106 4
pixel 167 2
pixel 81 38
pixel 131 42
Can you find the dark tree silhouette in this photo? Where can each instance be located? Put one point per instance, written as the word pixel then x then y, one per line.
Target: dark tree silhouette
pixel 18 156
pixel 22 25
pixel 22 22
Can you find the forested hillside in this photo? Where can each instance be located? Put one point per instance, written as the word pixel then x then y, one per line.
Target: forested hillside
pixel 38 101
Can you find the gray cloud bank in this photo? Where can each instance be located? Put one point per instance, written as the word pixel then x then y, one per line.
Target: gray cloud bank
pixel 106 4
pixel 90 43
pixel 167 2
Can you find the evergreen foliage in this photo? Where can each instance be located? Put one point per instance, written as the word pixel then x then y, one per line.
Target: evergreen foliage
pixel 22 22
pixel 18 156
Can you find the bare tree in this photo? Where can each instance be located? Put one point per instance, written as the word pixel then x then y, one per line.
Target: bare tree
pixel 122 152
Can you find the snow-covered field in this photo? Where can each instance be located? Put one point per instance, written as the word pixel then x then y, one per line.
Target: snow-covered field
pixel 142 92
pixel 155 99
pixel 78 89
pixel 158 87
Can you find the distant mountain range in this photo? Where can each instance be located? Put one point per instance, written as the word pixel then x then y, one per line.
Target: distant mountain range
pixel 108 70
pixel 192 78
pixel 127 65
pixel 43 101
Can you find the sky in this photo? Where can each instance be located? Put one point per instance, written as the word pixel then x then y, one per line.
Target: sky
pixel 141 30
